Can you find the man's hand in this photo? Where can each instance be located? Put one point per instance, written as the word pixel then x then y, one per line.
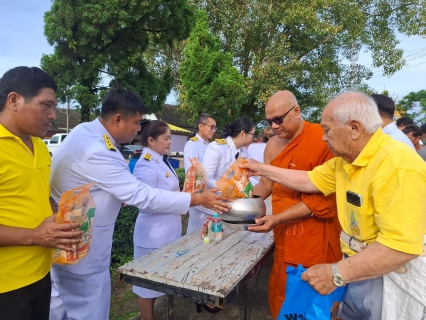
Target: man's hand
pixel 210 200
pixel 253 167
pixel 265 224
pixel 52 235
pixel 320 277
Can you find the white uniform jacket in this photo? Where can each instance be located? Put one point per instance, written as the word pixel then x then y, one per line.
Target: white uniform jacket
pixel 84 157
pixel 153 229
pixel 219 156
pixel 194 147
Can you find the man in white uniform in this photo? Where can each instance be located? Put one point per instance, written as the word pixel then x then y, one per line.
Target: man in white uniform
pixel 386 108
pixel 83 291
pixel 195 147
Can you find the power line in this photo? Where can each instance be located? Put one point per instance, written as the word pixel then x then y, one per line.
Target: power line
pixel 401 69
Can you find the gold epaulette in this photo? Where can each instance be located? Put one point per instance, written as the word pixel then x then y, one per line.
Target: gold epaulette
pixel 109 143
pixel 147 157
pixel 194 139
pixel 221 141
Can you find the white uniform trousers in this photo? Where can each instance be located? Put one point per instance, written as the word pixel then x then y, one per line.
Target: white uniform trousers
pixel 80 296
pixel 144 292
pixel 196 220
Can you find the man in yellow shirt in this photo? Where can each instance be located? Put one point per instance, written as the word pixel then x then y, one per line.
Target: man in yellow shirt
pixel 27 228
pixel 380 186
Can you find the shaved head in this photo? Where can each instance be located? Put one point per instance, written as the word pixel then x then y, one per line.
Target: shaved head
pixel 281 100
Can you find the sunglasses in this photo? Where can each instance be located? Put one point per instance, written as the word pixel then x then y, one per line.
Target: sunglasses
pixel 212 126
pixel 278 120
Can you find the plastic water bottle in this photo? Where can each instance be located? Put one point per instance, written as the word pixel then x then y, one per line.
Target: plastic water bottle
pixel 217 227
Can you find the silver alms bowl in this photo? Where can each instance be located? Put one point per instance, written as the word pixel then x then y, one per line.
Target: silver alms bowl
pixel 244 210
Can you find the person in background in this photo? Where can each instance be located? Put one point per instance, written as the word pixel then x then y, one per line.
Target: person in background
pixel 257 148
pixel 414 133
pixel 154 230
pixel 83 291
pixel 386 108
pixel 306 228
pixel 196 147
pixel 423 128
pixel 27 228
pixel 402 122
pixel 377 181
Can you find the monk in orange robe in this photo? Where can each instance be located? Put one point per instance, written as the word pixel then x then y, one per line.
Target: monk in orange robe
pixel 306 228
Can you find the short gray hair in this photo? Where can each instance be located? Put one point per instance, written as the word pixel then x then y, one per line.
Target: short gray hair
pixel 202 119
pixel 361 108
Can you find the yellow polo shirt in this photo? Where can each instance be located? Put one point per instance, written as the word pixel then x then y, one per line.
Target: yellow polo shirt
pixel 391 179
pixel 24 202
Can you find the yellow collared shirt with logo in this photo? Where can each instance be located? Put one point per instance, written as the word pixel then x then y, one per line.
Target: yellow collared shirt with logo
pixel 390 178
pixel 24 203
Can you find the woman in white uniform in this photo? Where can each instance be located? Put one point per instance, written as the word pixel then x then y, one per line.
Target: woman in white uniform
pixel 219 156
pixel 154 230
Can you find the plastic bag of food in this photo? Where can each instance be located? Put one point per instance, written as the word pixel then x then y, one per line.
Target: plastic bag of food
pixel 235 183
pixel 76 205
pixel 195 178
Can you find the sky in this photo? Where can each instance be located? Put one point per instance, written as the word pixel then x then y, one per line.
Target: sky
pixel 22 42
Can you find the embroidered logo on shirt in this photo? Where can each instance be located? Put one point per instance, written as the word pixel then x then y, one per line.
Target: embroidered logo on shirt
pixel 221 141
pixel 194 139
pixel 109 143
pixel 354 225
pixel 147 157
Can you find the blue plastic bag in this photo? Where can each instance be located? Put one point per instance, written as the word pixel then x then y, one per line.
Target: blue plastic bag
pixel 302 302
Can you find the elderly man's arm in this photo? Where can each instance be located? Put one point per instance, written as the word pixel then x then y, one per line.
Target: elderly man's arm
pixel 374 261
pixel 294 179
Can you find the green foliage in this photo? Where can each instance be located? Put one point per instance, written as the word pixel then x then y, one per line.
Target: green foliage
pixel 122 243
pixel 181 176
pixel 308 47
pixel 100 44
pixel 208 80
pixel 414 105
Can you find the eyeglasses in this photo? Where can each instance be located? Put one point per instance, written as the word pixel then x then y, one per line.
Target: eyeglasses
pixel 278 120
pixel 212 126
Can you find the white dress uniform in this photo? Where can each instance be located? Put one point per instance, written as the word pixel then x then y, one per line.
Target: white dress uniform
pixel 88 154
pixel 256 151
pixel 154 230
pixel 194 147
pixel 219 156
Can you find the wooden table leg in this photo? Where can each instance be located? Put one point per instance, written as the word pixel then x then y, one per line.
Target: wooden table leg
pixel 242 290
pixel 169 307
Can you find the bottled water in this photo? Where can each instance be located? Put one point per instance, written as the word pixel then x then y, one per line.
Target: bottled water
pixel 216 227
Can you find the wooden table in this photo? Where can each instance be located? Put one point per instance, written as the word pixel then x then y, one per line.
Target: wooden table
pixel 207 273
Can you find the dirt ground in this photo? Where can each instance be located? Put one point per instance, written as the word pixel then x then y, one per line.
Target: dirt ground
pixel 124 306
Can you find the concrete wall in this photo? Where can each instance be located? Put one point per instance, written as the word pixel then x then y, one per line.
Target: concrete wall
pixel 178 143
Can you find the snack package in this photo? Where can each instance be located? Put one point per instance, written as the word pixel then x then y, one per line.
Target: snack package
pixel 195 178
pixel 235 182
pixel 76 205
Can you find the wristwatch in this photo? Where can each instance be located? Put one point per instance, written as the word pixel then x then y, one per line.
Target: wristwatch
pixel 337 277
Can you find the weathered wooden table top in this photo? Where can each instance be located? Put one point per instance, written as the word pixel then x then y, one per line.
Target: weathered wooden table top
pixel 213 268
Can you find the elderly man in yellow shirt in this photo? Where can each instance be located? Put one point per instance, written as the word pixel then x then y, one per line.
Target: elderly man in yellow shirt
pixel 380 185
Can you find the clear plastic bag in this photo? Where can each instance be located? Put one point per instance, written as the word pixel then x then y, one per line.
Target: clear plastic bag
pixel 76 205
pixel 195 178
pixel 235 183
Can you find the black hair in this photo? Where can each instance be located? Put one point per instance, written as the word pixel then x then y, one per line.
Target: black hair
pixel 234 128
pixel 414 129
pixel 404 121
pixel 203 118
pixel 423 128
pixel 122 101
pixel 152 128
pixel 385 105
pixel 25 81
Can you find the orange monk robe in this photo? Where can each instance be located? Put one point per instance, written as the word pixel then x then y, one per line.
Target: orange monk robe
pixel 310 240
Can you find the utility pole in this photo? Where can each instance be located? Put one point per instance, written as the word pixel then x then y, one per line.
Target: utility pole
pixel 68 116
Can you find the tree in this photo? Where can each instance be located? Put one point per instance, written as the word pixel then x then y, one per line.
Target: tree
pixel 414 105
pixel 310 47
pixel 100 43
pixel 208 82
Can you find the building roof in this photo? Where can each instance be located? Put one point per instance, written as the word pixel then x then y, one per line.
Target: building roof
pixel 177 129
pixel 171 115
